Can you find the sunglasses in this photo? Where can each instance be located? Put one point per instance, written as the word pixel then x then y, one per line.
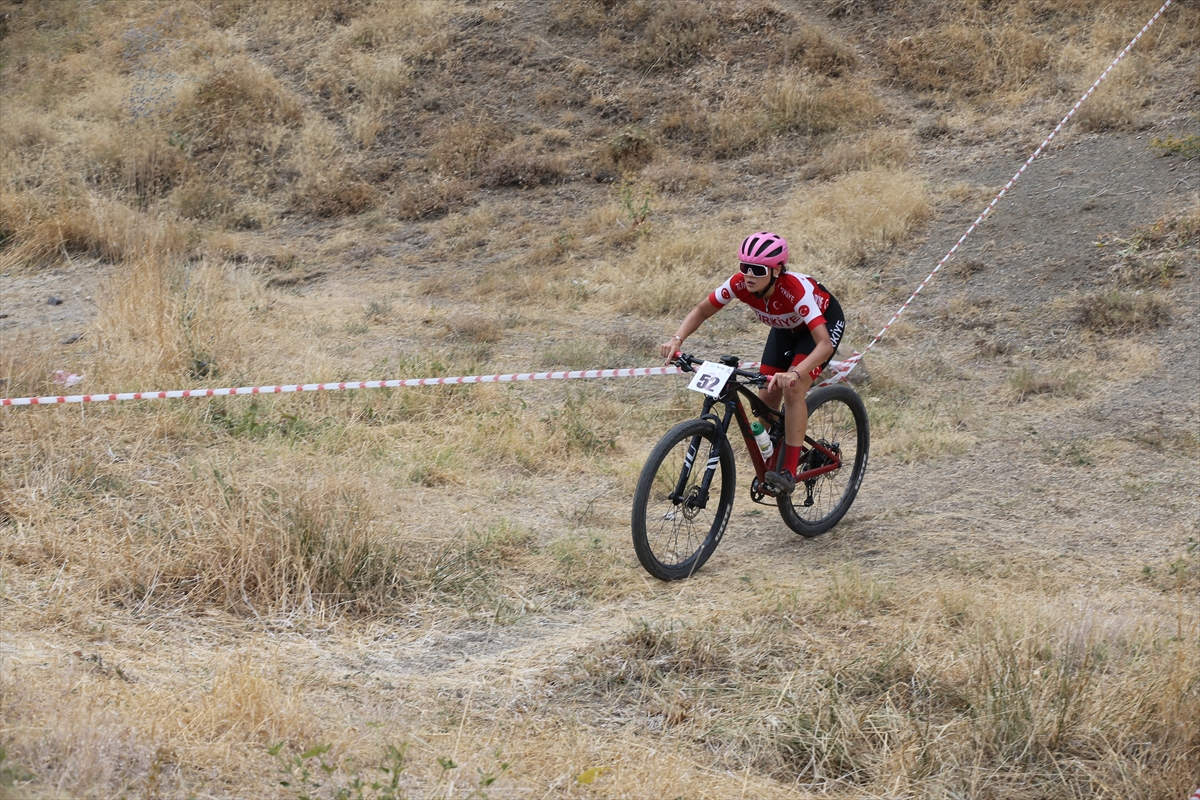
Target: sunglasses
pixel 757 270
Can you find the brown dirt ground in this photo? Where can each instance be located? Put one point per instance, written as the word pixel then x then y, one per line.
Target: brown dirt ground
pixel 1088 489
pixel 1009 508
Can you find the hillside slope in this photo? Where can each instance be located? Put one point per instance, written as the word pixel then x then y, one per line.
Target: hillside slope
pixel 206 598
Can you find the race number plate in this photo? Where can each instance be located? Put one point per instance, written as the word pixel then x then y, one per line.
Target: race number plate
pixel 710 378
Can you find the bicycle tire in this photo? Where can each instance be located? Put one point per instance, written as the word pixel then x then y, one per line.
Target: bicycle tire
pixel 673 539
pixel 836 417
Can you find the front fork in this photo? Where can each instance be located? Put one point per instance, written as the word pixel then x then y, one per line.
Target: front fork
pixel 700 499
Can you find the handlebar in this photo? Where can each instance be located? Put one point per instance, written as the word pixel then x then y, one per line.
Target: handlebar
pixel 687 363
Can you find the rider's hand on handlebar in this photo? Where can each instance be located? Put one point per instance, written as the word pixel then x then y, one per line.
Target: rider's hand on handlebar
pixel 670 348
pixel 781 380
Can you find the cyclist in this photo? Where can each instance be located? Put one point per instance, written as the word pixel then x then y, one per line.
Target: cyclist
pixel 806 326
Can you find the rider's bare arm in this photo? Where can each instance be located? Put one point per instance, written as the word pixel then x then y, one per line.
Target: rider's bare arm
pixel 703 310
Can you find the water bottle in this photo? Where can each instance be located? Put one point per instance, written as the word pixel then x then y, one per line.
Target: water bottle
pixel 764 441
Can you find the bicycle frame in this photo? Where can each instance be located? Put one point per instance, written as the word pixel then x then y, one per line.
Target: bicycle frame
pixel 731 399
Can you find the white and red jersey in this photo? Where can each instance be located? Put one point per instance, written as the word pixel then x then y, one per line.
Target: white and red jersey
pixel 797 300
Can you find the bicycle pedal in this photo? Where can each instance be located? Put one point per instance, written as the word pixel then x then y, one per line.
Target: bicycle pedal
pixel 759 490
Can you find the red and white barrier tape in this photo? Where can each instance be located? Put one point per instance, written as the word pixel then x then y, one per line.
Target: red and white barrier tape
pixel 852 362
pixel 630 372
pixel 841 369
pixel 633 372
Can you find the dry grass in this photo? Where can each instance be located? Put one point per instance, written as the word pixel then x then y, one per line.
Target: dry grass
pixel 799 104
pixel 204 598
pixel 1029 381
pixel 854 714
pixel 845 221
pixel 879 149
pixel 818 51
pixel 1123 312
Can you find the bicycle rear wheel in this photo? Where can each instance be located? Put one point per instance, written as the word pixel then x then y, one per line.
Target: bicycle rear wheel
pixel 837 419
pixel 677 520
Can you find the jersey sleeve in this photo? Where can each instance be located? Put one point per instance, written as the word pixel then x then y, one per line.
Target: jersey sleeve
pixel 813 317
pixel 812 304
pixel 721 296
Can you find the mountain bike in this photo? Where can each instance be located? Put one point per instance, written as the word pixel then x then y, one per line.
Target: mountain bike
pixel 684 496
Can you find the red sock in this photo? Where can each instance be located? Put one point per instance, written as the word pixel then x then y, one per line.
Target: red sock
pixel 791 457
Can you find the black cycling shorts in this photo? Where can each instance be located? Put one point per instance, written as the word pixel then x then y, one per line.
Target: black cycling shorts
pixel 787 347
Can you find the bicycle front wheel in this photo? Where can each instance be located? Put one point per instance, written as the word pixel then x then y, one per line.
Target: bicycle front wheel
pixel 837 419
pixel 683 500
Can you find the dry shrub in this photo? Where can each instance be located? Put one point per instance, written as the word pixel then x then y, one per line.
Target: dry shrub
pixel 630 150
pixel 1176 228
pixel 326 185
pixel 684 121
pixel 732 132
pixel 236 105
pixel 815 50
pixel 551 98
pixel 249 215
pixel 286 547
pixel 521 165
pixel 478 328
pixel 556 138
pixel 333 197
pixel 36 232
pixel 135 161
pixel 809 107
pixel 1123 312
pixel 571 16
pixel 665 293
pixel 579 426
pixel 674 35
pixel 26 362
pixel 473 229
pixel 952 57
pixel 1151 271
pixel 72 714
pixel 367 124
pixel 632 345
pixel 1187 145
pixel 1052 699
pixel 967 60
pixel 462 148
pixel 1109 114
pixel 435 196
pixel 882 149
pixel 100 229
pixel 247 701
pixel 381 77
pixel 1020 55
pixel 264 545
pixel 28 236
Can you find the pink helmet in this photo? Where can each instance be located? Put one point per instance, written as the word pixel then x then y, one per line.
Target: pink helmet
pixel 764 247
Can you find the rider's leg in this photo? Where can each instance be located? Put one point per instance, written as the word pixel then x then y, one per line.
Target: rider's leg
pixel 772 399
pixel 796 422
pixel 776 357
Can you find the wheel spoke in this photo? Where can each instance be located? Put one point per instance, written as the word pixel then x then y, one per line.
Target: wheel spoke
pixel 674 532
pixel 837 421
